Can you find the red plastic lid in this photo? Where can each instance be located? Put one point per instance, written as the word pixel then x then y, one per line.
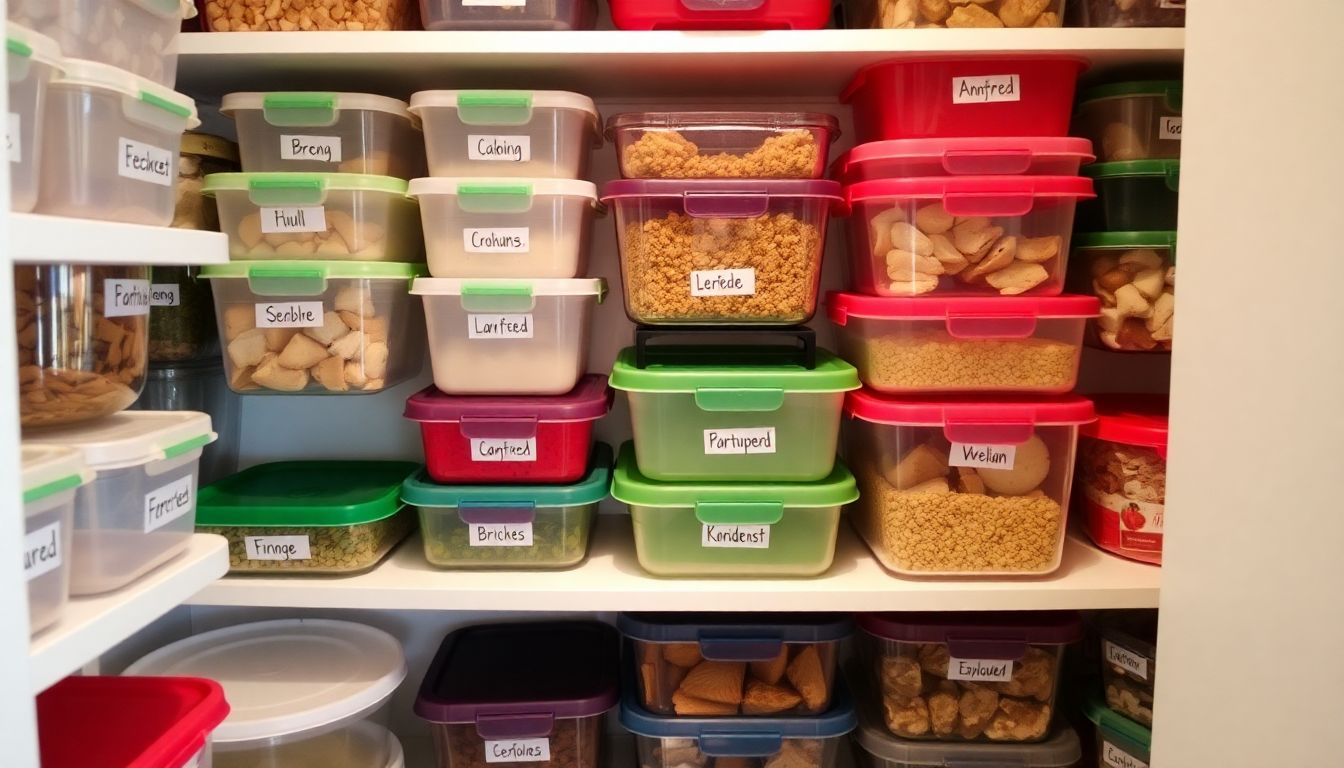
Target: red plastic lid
pixel 974 195
pixel 590 399
pixel 1045 627
pixel 841 306
pixel 972 156
pixel 127 722
pixel 1062 410
pixel 1132 420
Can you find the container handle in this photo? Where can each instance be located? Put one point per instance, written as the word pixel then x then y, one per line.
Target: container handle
pixel 739 512
pixel 758 744
pixel 495 107
pixel 497 512
pixel 524 726
pixel 991 326
pixel 989 204
pixel 264 280
pixel 500 297
pixel 498 427
pixel 306 109
pixel 725 205
pixel 731 400
pixel 978 431
pixel 494 198
pixel 1174 177
pixel 290 189
pixel 722 5
pixel 1008 162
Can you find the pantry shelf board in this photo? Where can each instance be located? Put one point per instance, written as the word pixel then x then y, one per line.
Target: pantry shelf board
pixel 90 626
pixel 611 580
pixel 37 239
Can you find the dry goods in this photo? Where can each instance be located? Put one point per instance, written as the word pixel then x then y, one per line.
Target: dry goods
pixel 675 676
pixel 295 15
pixel 1138 295
pixel 913 14
pixel 670 155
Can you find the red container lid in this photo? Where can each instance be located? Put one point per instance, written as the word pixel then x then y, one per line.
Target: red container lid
pixel 127 722
pixel 967 628
pixel 590 399
pixel 1062 410
pixel 972 156
pixel 1132 420
pixel 841 306
pixel 975 195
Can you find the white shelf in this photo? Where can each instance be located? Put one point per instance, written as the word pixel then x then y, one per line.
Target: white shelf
pixel 611 580
pixel 90 626
pixel 37 239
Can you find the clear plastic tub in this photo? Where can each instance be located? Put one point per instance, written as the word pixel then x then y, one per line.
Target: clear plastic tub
pixel 139 511
pixel 966 676
pixel 510 526
pixel 720 14
pixel 962 235
pixel 733 528
pixel 733 665
pixel 967 156
pixel 31 61
pixel 343 327
pixel 1129 663
pixel 509 15
pixel 508 337
pixel 307 16
pixel 1121 742
pixel 324 216
pixel 991 476
pixel 1134 276
pixel 1122 476
pixel 721 251
pixel 199 385
pixel 506 227
pixel 1134 196
pixel 1133 120
pixel 118 150
pixel 1129 13
pixel 139 36
pixel 734 414
pixel 983 14
pixel 508 133
pixel 984 344
pixel 707 145
pixel 50 476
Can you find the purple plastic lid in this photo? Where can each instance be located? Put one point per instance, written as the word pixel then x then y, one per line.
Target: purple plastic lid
pixel 590 399
pixel 728 198
pixel 515 680
pixel 987 635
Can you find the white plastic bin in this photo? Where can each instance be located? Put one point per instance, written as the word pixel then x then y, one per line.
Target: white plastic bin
pixel 50 476
pixel 32 60
pixel 139 36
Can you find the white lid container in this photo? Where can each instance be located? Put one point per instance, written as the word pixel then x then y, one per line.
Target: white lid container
pixel 136 35
pixel 50 476
pixel 32 60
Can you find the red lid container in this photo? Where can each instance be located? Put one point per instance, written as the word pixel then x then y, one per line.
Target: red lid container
pixel 1122 476
pixel 1131 420
pixel 971 419
pixel 720 14
pixel 967 317
pixel 968 156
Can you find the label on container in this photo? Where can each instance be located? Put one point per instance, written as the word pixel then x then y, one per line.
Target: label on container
pixel 982 455
pixel 1116 757
pixel 42 552
pixel 326 149
pixel 735 536
pixel 144 162
pixel 723 282
pixel 14 138
pixel 503 449
pixel 277 548
pixel 741 440
pixel 125 298
pixel 986 88
pixel 497 240
pixel 293 218
pixel 165 295
pixel 501 535
pixel 168 502
pixel 499 149
pixel 1169 129
pixel 1133 663
pixel 290 314
pixel 499 326
pixel 518 751
pixel 980 670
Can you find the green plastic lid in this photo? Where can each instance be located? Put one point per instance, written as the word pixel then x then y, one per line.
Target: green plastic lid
pixel 1132 168
pixel 327 270
pixel 420 491
pixel 276 187
pixel 319 494
pixel 1173 90
pixel 723 369
pixel 1118 729
pixel 1156 239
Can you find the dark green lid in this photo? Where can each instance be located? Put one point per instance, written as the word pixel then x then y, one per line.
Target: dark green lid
pixel 419 490
pixel 1172 90
pixel 1133 168
pixel 1118 729
pixel 319 494
pixel 1084 241
pixel 716 371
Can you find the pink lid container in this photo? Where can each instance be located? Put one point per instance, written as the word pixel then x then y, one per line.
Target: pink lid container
pixel 720 14
pixel 970 156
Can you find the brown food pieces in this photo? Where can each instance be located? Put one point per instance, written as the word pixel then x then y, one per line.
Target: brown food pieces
pixel 988 14
pixel 675 678
pixel 1138 300
pixel 574 744
pixel 306 15
pixel 792 154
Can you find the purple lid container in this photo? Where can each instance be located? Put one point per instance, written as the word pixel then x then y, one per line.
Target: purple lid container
pixel 515 680
pixel 723 198
pixel 986 635
pixel 590 399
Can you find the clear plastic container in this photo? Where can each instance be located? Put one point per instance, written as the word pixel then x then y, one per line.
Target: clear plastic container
pixel 983 14
pixel 139 36
pixel 1133 120
pixel 182 323
pixel 307 16
pixel 721 251
pixel 1129 13
pixel 508 337
pixel 964 487
pixel 966 676
pixel 112 145
pixel 1121 742
pixel 720 14
pixel 709 145
pixel 508 133
pixel 506 227
pixel 31 61
pixel 1129 663
pixel 323 216
pixel 966 156
pixel 343 327
pixel 50 476
pixel 962 235
pixel 139 511
pixel 1133 196
pixel 509 15
pixel 201 155
pixel 199 385
pixel 1122 476
pixel 1134 276
pixel 709 413
pixel 974 344
pixel 733 528
pixel 326 132
pixel 713 665
pixel 510 526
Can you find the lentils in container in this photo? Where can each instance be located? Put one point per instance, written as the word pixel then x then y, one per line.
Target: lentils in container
pixel 1134 276
pixel 981 14
pixel 305 16
pixel 139 36
pixel 50 476
pixel 722 145
pixel 1133 120
pixel 31 60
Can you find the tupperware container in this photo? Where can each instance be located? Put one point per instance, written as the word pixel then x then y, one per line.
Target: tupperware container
pixel 1134 276
pixel 508 337
pixel 723 413
pixel 981 344
pixel 1129 13
pixel 1133 120
pixel 199 385
pixel 509 15
pixel 182 320
pixel 31 60
pixel 962 235
pixel 705 145
pixel 317 327
pixel 1121 742
pixel 721 251
pixel 324 216
pixel 948 96
pixel 967 156
pixel 200 155
pixel 1134 196
pixel 1129 663
pixel 508 133
pixel 309 516
pixel 518 439
pixel 986 14
pixel 783 665
pixel 509 227
pixel 509 526
pixel 302 691
pixel 50 476
pixel 1001 670
pixel 114 722
pixel 720 14
pixel 304 15
pixel 963 487
pixel 140 509
pixel 733 528
pixel 1122 476
pixel 139 36
pixel 547 711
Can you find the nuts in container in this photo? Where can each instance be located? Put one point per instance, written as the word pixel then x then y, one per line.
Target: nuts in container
pixel 1134 275
pixel 308 15
pixel 921 14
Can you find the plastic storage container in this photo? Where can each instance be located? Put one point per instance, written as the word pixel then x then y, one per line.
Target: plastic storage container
pixel 1130 13
pixel 1135 196
pixel 1122 476
pixel 114 722
pixel 1121 742
pixel 510 15
pixel 510 526
pixel 182 323
pixel 50 476
pixel 31 60
pixel 303 15
pixel 988 14
pixel 705 145
pixel 782 664
pixel 944 97
pixel 199 385
pixel 139 36
pixel 1134 276
pixel 302 691
pixel 1134 120
pixel 508 133
pixel 733 529
pixel 1129 663
pixel 118 150
pixel 201 155
pixel 508 337
pixel 341 327
pixel 720 14
pixel 720 251
pixel 962 235
pixel 506 227
pixel 509 439
pixel 140 509
pixel 967 156
pixel 547 711
pixel 710 413
pixel 309 516
pixel 986 344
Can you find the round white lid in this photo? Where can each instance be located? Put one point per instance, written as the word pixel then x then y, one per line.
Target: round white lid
pixel 131 437
pixel 287 676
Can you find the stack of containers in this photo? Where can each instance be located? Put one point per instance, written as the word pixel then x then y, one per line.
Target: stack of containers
pixel 1124 715
pixel 512 477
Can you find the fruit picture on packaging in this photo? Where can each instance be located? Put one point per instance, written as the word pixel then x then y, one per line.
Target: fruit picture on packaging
pixel 676 678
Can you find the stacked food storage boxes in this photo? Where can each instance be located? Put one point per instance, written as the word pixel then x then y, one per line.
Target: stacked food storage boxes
pixel 1124 715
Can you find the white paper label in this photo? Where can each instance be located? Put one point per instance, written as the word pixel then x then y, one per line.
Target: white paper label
pixel 277 548
pixel 986 88
pixel 1127 660
pixel 723 282
pixel 1170 129
pixel 14 138
pixel 165 295
pixel 326 149
pixel 125 298
pixel 503 449
pixel 42 552
pixel 497 240
pixel 306 218
pixel 735 536
pixel 144 162
pixel 741 440
pixel 290 314
pixel 518 751
pixel 500 535
pixel 499 326
pixel 499 149
pixel 982 456
pixel 167 503
pixel 980 670
pixel 1118 758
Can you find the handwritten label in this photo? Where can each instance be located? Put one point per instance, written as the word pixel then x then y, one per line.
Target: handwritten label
pixel 500 535
pixel 290 314
pixel 14 138
pixel 307 218
pixel 497 240
pixel 499 149
pixel 980 670
pixel 167 503
pixel 278 548
pixel 518 751
pixel 986 89
pixel 165 295
pixel 326 149
pixel 723 282
pixel 1169 129
pixel 144 162
pixel 125 298
pixel 982 455
pixel 503 449
pixel 499 326
pixel 1118 758
pixel 1126 659
pixel 735 536
pixel 42 551
pixel 742 440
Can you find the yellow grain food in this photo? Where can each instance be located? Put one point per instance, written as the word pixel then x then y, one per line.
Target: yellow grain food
pixel 305 15
pixel 670 155
pixel 936 360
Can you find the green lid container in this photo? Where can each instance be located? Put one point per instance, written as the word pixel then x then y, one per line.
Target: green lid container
pixel 1133 196
pixel 316 494
pixel 1172 92
pixel 1120 741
